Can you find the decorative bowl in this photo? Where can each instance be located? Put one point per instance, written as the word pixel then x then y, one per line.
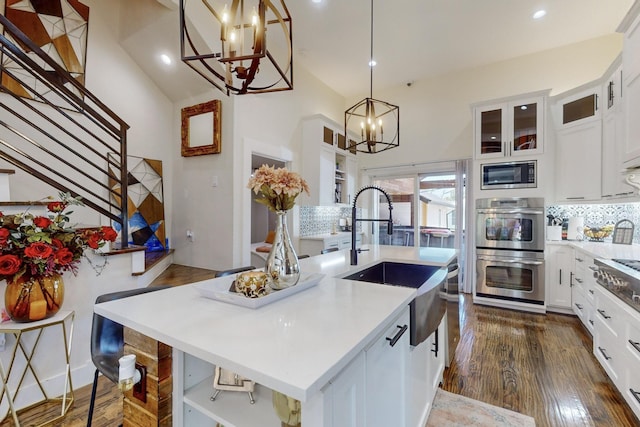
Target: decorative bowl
pixel 598 234
pixel 252 284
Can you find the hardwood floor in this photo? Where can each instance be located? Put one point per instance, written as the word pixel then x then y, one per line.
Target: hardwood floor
pixel 177 275
pixel 107 412
pixel 538 365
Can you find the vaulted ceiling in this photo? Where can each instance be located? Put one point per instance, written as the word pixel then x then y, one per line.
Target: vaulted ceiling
pixel 413 39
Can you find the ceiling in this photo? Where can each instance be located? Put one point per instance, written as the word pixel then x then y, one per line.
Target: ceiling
pixel 413 39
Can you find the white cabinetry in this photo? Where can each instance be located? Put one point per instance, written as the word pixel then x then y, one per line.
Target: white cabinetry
pixel 631 84
pixel 582 290
pixel 347 394
pixel 315 244
pixel 613 130
pixel 578 168
pixel 387 362
pixel 608 340
pixel 427 361
pixel 577 106
pixel 616 344
pixel 578 128
pixel 370 391
pixel 631 386
pixel 328 166
pixel 559 273
pixel 510 127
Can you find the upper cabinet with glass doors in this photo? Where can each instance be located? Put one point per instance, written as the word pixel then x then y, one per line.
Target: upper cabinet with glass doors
pixel 510 127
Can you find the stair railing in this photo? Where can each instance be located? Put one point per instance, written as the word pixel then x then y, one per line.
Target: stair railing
pixel 53 128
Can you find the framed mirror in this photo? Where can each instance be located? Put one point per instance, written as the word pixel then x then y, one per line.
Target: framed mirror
pixel 201 129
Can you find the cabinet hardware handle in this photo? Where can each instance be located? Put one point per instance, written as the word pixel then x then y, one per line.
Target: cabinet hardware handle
pixel 575 198
pixel 635 345
pixel 578 280
pixel 435 343
pixel 396 337
pixel 560 276
pixel 597 98
pixel 635 394
pixel 593 268
pixel 579 259
pixel 580 307
pixel 591 291
pixel 571 279
pixel 606 356
pixel 603 314
pixel 591 321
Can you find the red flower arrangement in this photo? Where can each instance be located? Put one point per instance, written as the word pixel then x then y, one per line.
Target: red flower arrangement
pixel 33 246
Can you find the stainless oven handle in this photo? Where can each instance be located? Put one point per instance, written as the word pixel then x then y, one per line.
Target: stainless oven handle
pixel 509 211
pixel 509 261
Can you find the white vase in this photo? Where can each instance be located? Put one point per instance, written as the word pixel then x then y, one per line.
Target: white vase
pixel 282 263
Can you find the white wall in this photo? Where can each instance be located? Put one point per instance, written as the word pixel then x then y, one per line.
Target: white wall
pixel 205 210
pixel 271 124
pixel 435 118
pixel 123 87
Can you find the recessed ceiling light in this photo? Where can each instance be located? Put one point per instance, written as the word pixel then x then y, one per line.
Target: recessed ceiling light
pixel 317 1
pixel 166 59
pixel 372 63
pixel 539 14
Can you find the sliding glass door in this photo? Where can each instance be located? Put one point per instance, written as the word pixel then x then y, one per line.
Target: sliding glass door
pixel 401 191
pixel 428 208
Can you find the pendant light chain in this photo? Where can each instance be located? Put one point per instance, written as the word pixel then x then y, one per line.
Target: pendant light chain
pixel 369 117
pixel 371 56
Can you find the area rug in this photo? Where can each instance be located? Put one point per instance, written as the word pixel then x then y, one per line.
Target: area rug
pixel 453 410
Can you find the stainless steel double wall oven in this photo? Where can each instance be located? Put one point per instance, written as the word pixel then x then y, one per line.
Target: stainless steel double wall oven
pixel 510 249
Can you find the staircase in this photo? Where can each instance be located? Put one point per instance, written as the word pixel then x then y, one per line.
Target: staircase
pixel 54 129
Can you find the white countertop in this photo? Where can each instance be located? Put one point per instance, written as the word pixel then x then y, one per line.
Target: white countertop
pixel 295 345
pixel 602 249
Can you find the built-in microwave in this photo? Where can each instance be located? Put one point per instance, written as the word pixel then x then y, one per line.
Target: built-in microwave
pixel 509 175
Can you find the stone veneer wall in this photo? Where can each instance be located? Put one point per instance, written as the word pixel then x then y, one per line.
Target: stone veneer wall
pixel 320 219
pixel 599 215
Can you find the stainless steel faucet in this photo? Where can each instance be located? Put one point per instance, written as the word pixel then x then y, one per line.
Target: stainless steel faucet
pixel 354 220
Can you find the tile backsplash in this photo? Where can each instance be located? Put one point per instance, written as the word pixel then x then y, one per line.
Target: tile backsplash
pixel 600 215
pixel 321 219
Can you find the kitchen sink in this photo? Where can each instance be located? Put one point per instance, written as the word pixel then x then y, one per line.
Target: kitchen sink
pixel 428 307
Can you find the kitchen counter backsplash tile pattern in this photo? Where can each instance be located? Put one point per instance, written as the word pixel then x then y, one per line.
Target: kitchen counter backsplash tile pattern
pixel 321 219
pixel 601 215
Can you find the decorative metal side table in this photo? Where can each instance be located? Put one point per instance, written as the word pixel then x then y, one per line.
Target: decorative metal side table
pixel 18 330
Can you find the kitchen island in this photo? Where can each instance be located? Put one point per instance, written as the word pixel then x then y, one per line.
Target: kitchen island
pixel 311 346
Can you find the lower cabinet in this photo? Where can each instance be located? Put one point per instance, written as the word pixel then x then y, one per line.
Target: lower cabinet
pixel 389 383
pixel 582 298
pixel 631 374
pixel 559 274
pixel 372 390
pixel 387 361
pixel 427 362
pixel 348 393
pixel 616 344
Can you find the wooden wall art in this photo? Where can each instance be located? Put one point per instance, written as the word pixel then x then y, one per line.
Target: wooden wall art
pixel 60 28
pixel 201 129
pixel 145 202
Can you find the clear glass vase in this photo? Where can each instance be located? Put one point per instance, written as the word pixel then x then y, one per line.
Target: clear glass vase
pixel 282 263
